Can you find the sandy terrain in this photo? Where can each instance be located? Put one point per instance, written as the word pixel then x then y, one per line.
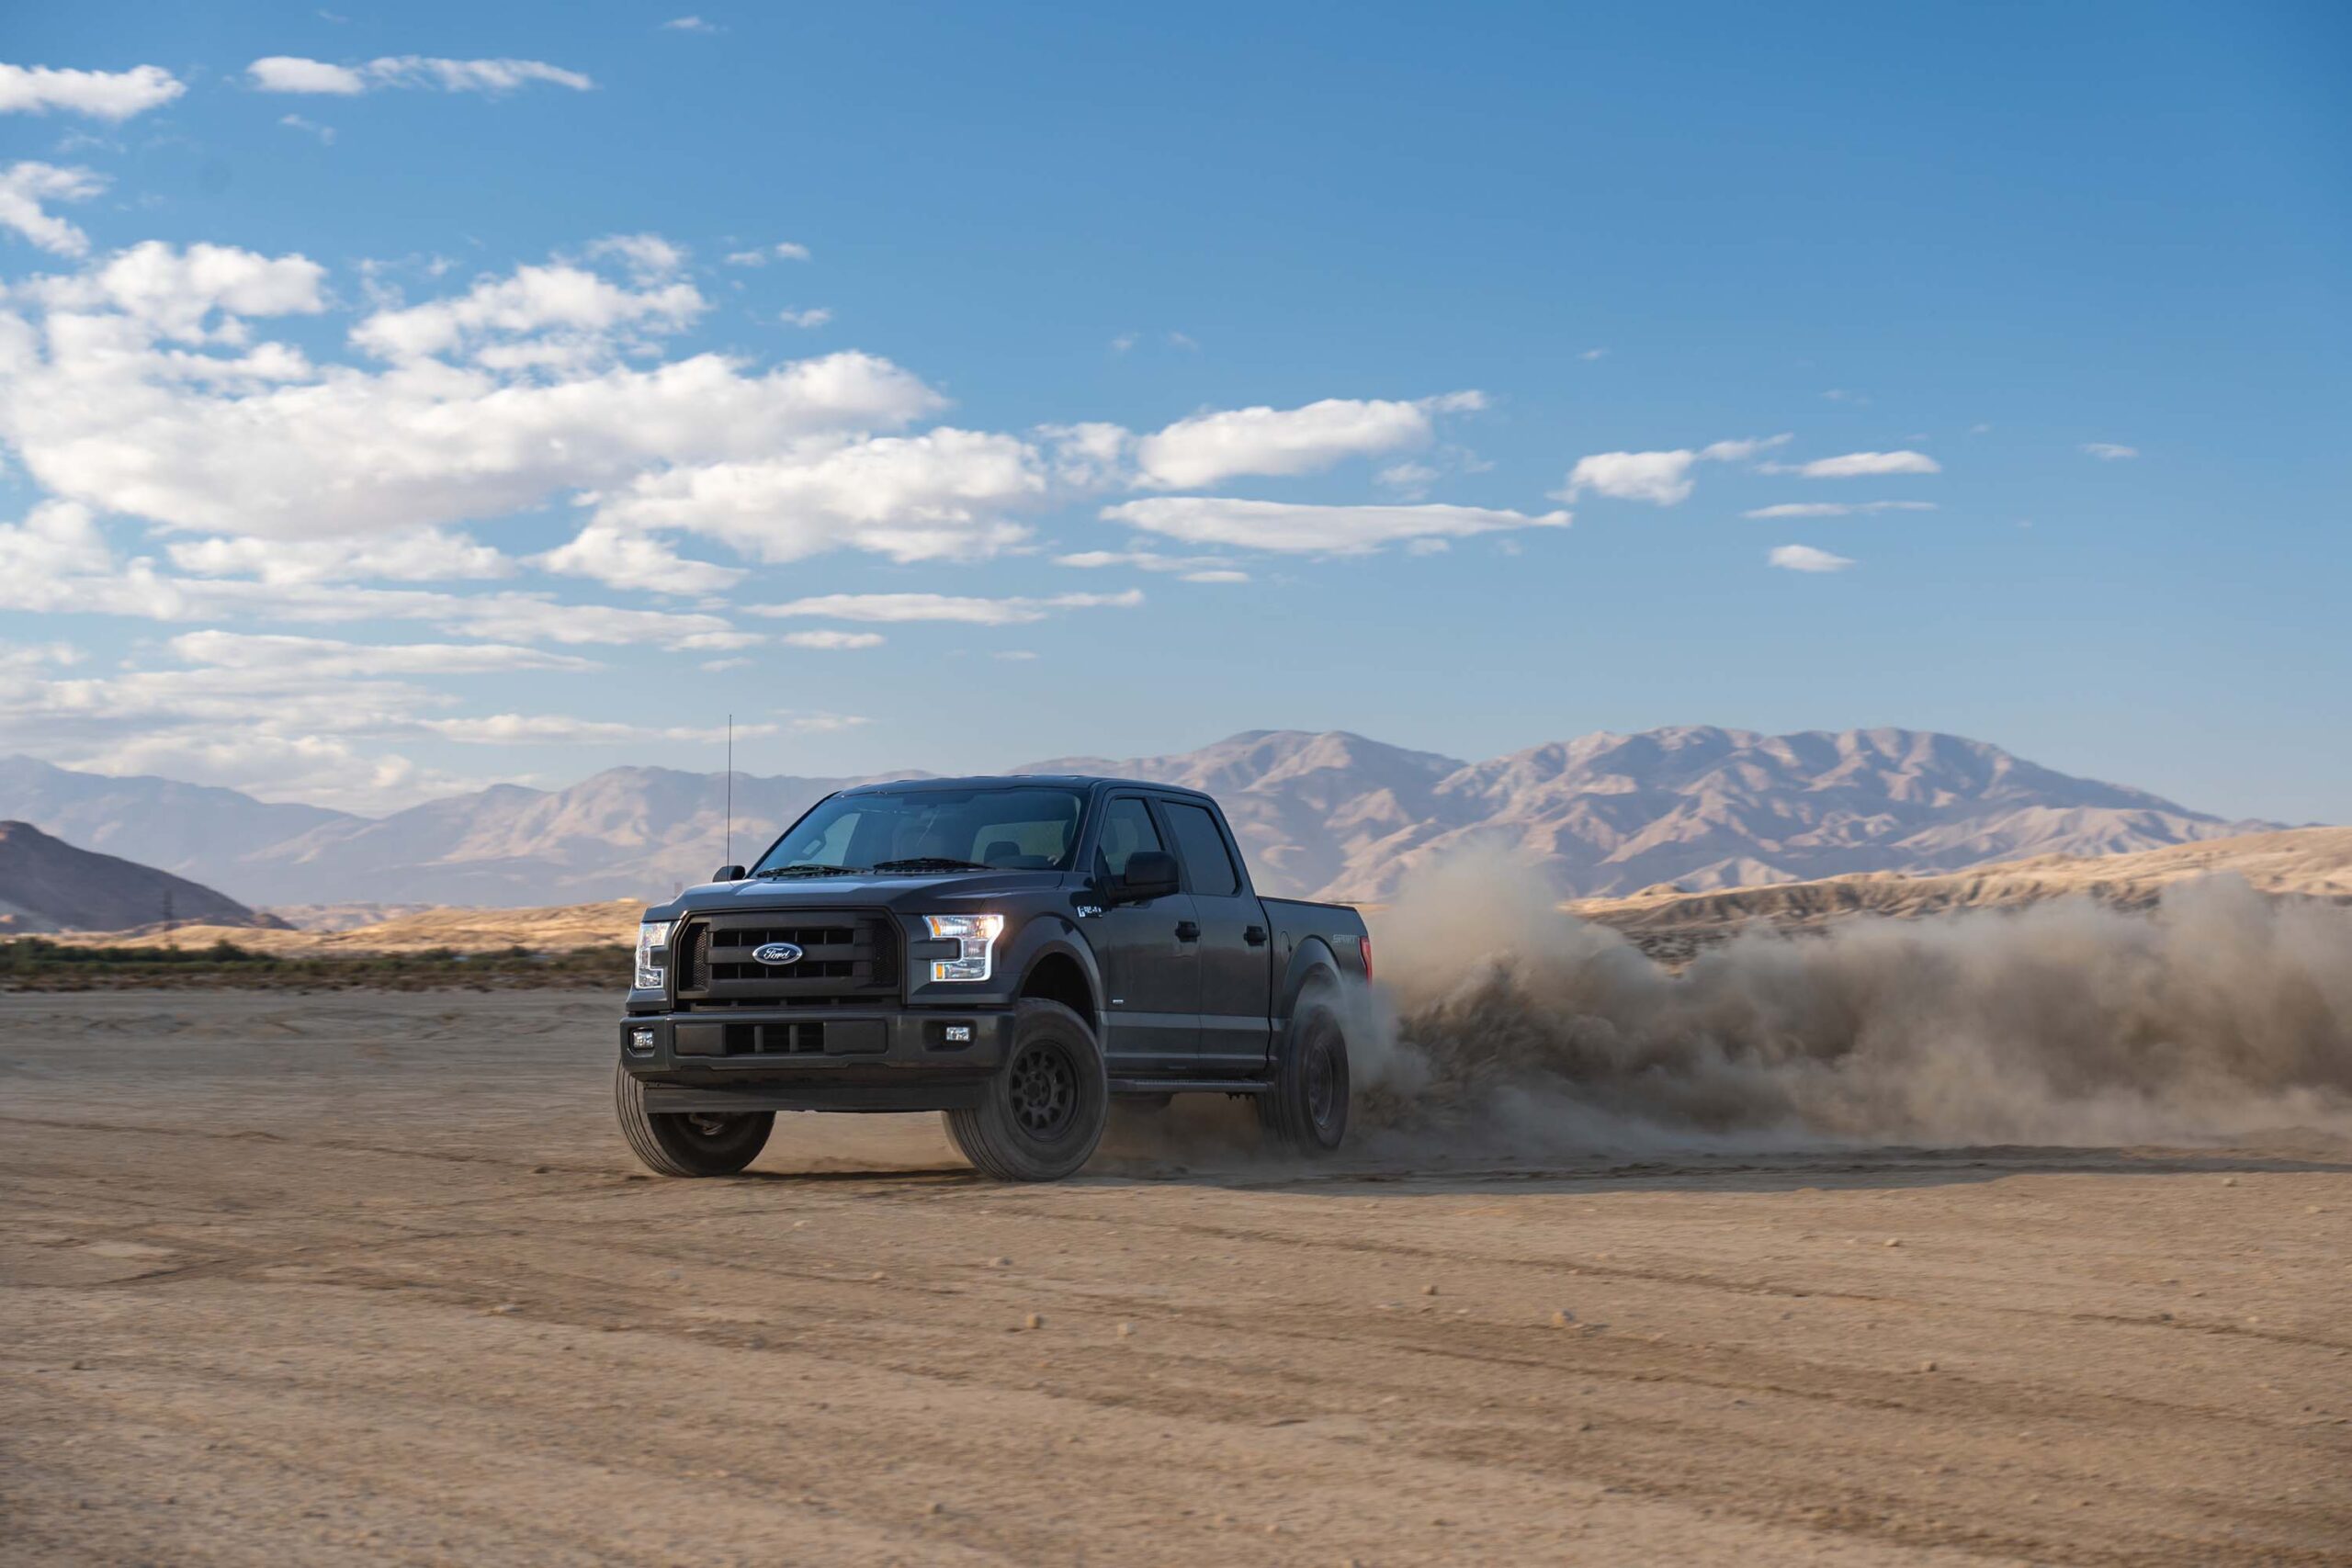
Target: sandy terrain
pixel 371 1279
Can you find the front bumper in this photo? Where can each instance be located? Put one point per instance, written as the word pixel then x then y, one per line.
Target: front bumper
pixel 814 1059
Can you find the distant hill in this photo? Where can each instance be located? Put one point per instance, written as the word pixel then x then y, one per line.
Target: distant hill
pixel 2298 863
pixel 47 884
pixel 1329 813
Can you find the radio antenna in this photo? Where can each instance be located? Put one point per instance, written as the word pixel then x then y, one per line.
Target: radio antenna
pixel 730 789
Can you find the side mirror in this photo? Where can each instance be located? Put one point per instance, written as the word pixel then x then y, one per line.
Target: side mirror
pixel 727 874
pixel 1150 873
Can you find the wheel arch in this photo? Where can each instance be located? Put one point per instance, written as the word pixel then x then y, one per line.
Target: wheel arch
pixel 1311 964
pixel 1058 969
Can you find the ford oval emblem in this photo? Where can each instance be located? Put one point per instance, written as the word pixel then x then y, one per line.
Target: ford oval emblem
pixel 776 954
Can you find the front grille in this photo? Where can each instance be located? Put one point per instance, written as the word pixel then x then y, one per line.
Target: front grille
pixel 847 956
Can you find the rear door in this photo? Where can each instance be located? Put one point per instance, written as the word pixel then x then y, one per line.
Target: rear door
pixel 1149 952
pixel 1237 977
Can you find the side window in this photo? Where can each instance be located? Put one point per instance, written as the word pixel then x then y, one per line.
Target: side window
pixel 1207 867
pixel 1126 828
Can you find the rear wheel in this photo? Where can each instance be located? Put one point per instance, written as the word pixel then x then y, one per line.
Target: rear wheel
pixel 1042 1113
pixel 689 1143
pixel 1307 1108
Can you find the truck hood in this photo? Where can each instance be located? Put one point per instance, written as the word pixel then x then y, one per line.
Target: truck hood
pixel 928 893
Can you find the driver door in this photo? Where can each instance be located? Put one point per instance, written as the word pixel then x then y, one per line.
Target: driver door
pixel 1151 972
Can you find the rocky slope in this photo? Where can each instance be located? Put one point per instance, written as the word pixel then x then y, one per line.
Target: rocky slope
pixel 47 884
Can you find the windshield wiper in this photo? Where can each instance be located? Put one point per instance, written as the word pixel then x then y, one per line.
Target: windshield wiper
pixel 933 863
pixel 808 869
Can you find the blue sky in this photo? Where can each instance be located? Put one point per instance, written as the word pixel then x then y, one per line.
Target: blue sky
pixel 1418 369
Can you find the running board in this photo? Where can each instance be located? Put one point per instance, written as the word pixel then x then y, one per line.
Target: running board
pixel 1189 1086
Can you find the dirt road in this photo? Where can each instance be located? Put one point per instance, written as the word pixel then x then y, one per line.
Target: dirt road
pixel 371 1279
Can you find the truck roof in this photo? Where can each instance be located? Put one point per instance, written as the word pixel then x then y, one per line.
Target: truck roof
pixel 984 781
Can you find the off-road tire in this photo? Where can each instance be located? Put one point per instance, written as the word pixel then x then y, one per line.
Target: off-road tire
pixel 676 1144
pixel 1307 1108
pixel 1043 1111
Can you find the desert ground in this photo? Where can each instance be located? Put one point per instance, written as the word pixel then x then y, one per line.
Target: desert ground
pixel 371 1278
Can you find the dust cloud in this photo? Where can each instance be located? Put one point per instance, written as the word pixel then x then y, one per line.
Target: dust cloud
pixel 1501 1022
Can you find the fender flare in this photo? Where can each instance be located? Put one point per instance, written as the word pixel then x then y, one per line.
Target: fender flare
pixel 1048 935
pixel 1313 960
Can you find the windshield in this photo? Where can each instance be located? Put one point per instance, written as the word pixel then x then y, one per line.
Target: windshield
pixel 932 830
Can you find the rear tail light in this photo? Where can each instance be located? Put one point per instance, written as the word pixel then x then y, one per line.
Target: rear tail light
pixel 1365 942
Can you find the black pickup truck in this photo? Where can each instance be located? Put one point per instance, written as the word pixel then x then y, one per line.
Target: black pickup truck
pixel 1011 952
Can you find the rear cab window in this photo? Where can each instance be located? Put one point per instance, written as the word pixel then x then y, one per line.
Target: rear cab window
pixel 1208 865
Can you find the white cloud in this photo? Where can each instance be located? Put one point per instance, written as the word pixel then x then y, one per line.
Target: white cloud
pixel 911 498
pixel 169 293
pixel 267 446
pixel 819 723
pixel 1193 569
pixel 834 640
pixel 626 560
pixel 314 769
pixel 416 554
pixel 689 25
pixel 718 666
pixel 1662 478
pixel 2109 452
pixel 1014 655
pixel 561 729
pixel 1328 530
pixel 23 187
pixel 1839 508
pixel 786 250
pixel 57 541
pixel 325 134
pixel 1210 447
pixel 1740 451
pixel 1590 354
pixel 102 95
pixel 816 317
pixel 646 257
pixel 318 658
pixel 1409 480
pixel 292 74
pixel 86 583
pixel 944 608
pixel 1860 464
pixel 1804 558
pixel 533 300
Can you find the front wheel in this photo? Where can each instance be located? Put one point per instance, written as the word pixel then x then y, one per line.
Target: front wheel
pixel 687 1144
pixel 1041 1115
pixel 1307 1108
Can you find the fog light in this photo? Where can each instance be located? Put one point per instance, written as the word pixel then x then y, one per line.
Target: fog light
pixel 959 1034
pixel 640 1041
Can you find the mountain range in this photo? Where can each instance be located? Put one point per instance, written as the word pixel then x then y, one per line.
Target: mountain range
pixel 1331 815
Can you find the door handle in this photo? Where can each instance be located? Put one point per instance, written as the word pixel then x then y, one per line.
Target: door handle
pixel 1254 935
pixel 1188 930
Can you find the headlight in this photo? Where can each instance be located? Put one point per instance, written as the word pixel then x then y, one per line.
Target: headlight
pixel 975 936
pixel 653 955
